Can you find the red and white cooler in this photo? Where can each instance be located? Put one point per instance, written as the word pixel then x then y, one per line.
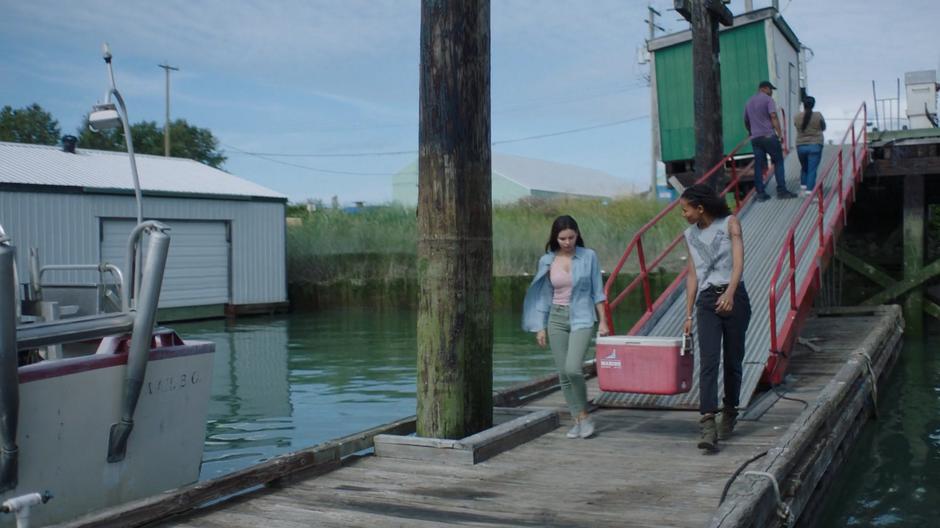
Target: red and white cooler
pixel 644 364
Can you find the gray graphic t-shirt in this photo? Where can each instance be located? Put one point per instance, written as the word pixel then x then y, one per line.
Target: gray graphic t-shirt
pixel 711 252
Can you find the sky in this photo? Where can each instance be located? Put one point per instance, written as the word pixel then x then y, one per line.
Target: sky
pixel 319 98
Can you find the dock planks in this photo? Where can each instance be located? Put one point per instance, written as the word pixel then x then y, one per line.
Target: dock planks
pixel 642 469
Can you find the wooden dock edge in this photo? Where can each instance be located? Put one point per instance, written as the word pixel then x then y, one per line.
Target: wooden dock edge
pixel 804 460
pixel 316 460
pixel 472 449
pixel 308 462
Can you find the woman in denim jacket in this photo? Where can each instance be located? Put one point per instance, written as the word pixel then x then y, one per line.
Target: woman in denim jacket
pixel 562 304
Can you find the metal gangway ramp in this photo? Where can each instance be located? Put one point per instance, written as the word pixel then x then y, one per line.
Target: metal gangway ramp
pixel 787 245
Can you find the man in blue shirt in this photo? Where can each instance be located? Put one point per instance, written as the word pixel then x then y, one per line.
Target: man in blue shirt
pixel 760 119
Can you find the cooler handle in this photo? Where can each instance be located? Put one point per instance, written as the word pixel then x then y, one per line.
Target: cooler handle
pixel 687 345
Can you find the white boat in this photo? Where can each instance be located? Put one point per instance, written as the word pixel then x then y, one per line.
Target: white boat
pixel 96 408
pixel 112 411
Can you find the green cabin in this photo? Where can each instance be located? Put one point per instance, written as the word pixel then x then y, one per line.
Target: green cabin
pixel 759 46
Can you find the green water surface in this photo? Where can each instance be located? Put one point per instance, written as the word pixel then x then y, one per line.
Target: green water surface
pixel 288 382
pixel 892 475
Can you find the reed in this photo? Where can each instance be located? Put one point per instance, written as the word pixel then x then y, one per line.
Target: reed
pixel 381 242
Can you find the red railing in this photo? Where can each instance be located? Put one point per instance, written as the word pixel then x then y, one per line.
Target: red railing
pixel 801 289
pixel 636 244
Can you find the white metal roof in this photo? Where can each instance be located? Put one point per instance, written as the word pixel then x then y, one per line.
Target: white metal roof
pixel 97 169
pixel 743 19
pixel 541 175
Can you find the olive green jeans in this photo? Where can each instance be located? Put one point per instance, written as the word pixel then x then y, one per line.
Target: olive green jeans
pixel 569 348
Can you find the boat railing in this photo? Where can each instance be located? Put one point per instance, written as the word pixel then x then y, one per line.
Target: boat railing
pixel 36 284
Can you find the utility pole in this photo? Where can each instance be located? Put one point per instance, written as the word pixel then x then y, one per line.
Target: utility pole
pixel 455 223
pixel 654 99
pixel 704 16
pixel 166 124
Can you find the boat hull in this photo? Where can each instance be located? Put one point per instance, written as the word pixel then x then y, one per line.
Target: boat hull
pixel 67 408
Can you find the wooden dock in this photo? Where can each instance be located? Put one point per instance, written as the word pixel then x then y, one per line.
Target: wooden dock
pixel 642 469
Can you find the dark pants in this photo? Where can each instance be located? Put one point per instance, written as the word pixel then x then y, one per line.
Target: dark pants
pixel 721 336
pixel 763 146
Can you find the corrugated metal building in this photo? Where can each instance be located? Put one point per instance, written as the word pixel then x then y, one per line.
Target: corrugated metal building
pixel 227 248
pixel 516 177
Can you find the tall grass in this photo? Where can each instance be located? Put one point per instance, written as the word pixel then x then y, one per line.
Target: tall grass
pixel 381 242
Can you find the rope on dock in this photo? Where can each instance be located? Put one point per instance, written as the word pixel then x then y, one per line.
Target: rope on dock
pixel 783 510
pixel 724 492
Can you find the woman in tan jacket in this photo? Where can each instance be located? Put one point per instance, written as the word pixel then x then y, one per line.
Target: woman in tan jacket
pixel 809 143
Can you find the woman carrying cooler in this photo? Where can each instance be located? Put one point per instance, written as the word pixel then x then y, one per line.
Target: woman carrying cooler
pixel 721 305
pixel 809 143
pixel 563 302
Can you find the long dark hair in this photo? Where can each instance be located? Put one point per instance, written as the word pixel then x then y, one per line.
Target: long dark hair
pixel 704 195
pixel 808 104
pixel 560 224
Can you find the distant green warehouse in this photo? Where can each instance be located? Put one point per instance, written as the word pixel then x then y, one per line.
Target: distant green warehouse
pixel 759 46
pixel 518 177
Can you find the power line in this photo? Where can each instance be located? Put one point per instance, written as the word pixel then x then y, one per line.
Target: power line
pixel 330 155
pixel 306 167
pixel 271 156
pixel 571 131
pixel 512 108
pixel 508 109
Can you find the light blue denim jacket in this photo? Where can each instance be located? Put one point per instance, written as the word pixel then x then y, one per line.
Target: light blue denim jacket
pixel 587 290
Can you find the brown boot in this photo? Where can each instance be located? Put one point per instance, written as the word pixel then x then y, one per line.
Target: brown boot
pixel 729 417
pixel 709 441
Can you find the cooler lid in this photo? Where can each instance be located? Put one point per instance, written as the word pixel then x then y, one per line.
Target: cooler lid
pixel 640 340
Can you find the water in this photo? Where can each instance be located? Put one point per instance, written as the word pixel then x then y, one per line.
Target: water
pixel 285 383
pixel 892 476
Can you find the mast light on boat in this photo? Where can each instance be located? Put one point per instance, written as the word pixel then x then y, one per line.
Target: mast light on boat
pixel 103 117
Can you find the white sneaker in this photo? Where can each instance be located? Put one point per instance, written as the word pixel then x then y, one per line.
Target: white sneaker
pixel 575 431
pixel 587 427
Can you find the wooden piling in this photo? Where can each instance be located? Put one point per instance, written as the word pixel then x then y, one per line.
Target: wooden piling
pixel 914 237
pixel 706 87
pixel 455 252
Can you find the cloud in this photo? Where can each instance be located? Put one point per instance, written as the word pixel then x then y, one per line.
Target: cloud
pixel 331 75
pixel 269 37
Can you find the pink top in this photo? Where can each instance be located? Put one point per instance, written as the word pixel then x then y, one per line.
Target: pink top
pixel 561 282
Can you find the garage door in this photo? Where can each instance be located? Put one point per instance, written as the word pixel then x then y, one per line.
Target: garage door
pixel 197 267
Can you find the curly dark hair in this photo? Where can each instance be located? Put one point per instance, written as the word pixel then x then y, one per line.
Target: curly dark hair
pixel 704 195
pixel 560 224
